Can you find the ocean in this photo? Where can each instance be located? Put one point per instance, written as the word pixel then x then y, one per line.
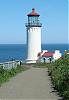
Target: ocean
pixel 19 51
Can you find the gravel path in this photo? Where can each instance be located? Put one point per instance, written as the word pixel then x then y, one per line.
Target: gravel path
pixel 33 84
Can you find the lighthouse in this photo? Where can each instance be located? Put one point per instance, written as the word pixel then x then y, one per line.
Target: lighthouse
pixel 33 27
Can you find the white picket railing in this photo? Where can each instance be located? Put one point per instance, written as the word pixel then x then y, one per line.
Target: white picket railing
pixel 10 64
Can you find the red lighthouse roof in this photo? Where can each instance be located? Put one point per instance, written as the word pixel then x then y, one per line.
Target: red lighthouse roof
pixel 33 13
pixel 47 54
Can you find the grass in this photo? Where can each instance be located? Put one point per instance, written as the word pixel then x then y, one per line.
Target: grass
pixel 5 75
pixel 41 65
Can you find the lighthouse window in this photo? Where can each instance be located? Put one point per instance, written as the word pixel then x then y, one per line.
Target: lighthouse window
pixel 30 20
pixel 33 20
pixel 36 19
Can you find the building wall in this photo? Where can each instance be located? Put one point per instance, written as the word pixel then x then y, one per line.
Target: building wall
pixel 56 55
pixel 47 59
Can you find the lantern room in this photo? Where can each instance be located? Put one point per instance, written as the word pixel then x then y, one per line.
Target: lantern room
pixel 33 19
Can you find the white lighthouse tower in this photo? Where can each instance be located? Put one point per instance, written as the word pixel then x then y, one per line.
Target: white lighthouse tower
pixel 33 37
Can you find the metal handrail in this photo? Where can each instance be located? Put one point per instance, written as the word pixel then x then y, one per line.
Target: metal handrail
pixel 33 24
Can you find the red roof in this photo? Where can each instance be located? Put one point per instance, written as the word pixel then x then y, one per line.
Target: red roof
pixel 33 13
pixel 47 54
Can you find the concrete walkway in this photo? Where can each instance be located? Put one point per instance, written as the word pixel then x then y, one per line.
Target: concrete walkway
pixel 33 84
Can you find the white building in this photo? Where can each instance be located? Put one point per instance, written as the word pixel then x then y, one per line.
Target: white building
pixel 56 54
pixel 49 56
pixel 33 37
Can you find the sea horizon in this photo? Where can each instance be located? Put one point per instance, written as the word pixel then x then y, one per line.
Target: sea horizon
pixel 19 51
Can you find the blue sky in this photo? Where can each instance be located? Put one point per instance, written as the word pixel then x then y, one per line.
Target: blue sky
pixel 54 19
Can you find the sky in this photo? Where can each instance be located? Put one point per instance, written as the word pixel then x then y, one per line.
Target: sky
pixel 53 16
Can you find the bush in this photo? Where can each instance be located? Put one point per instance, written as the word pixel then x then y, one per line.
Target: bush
pixel 59 72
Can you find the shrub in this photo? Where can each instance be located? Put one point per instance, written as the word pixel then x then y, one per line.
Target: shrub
pixel 59 72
